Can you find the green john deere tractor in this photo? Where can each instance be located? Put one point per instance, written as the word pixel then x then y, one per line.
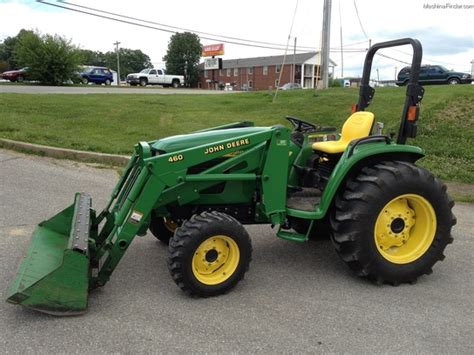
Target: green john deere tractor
pixel 390 220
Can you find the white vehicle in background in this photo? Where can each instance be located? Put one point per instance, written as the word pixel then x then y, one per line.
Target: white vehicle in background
pixel 152 76
pixel 291 86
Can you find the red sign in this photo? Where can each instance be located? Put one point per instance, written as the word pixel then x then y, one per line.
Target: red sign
pixel 212 50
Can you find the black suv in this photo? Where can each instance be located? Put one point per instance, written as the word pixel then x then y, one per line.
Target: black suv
pixel 434 74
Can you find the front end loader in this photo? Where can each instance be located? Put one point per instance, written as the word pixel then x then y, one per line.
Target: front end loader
pixel 389 219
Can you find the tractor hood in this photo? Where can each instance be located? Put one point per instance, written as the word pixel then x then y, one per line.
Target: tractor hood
pixel 183 141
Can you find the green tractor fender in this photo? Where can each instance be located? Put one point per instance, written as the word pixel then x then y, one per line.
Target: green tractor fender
pixel 355 158
pixel 364 155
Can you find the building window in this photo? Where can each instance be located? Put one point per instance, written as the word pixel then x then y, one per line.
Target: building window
pixel 277 68
pixel 236 71
pixel 250 84
pixel 277 83
pixel 308 70
pixel 228 72
pixel 220 72
pixel 205 73
pixel 265 70
pixel 249 70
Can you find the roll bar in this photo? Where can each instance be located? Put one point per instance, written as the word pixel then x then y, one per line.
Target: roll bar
pixel 414 93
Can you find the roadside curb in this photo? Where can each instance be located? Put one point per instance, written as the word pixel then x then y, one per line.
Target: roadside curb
pixel 62 153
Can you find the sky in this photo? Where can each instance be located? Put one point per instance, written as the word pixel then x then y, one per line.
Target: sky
pixel 446 30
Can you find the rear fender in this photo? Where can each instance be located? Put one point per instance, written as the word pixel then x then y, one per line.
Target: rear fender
pixel 363 155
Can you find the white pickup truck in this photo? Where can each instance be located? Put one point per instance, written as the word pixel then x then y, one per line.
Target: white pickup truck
pixel 155 77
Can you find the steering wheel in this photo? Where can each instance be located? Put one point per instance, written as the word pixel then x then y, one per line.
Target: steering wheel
pixel 302 126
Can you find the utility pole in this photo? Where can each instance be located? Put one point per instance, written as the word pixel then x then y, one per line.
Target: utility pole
pixel 116 44
pixel 186 71
pixel 325 44
pixel 340 37
pixel 294 63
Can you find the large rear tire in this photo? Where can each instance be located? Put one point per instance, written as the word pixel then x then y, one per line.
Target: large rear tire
pixel 209 254
pixel 392 222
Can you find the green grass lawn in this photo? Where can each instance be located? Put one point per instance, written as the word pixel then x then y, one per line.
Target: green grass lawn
pixel 114 123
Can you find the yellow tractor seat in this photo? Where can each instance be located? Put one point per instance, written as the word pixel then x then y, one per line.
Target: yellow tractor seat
pixel 358 125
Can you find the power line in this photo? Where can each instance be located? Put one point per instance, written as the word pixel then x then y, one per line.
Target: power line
pixel 154 27
pixel 286 50
pixel 395 59
pixel 360 22
pixel 176 27
pixel 240 43
pixel 353 55
pixel 353 44
pixel 424 58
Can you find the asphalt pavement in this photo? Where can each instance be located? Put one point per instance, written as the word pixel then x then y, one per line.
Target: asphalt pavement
pixel 100 89
pixel 296 298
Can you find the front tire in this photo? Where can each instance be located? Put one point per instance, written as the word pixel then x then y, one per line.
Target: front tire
pixel 143 82
pixel 454 81
pixel 392 222
pixel 107 82
pixel 85 81
pixel 209 254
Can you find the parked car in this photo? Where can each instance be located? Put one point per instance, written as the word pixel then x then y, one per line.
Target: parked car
pixel 291 86
pixel 16 75
pixel 97 75
pixel 434 74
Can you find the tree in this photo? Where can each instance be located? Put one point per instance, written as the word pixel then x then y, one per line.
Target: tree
pixel 3 58
pixel 7 49
pixel 93 58
pixel 131 61
pixel 50 59
pixel 183 55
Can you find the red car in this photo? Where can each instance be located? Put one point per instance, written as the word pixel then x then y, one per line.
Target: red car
pixel 15 75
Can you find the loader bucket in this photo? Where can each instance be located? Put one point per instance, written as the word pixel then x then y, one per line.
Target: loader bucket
pixel 54 274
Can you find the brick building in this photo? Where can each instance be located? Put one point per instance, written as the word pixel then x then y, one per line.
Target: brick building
pixel 262 73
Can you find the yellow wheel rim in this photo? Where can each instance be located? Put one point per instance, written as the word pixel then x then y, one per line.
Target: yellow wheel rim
pixel 405 229
pixel 215 260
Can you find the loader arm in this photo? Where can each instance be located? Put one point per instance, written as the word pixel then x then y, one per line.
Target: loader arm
pixel 156 180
